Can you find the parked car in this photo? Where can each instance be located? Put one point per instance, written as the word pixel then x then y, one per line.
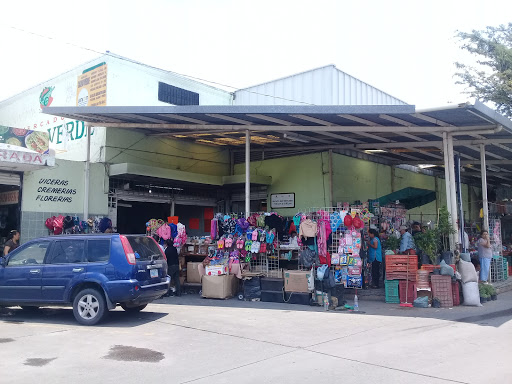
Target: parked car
pixel 93 273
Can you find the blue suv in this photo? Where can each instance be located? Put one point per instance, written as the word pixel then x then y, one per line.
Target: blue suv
pixel 93 273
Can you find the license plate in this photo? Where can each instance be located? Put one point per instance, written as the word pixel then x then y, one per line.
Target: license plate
pixel 153 273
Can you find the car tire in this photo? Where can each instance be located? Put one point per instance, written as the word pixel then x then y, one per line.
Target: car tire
pixel 138 308
pixel 89 306
pixel 29 308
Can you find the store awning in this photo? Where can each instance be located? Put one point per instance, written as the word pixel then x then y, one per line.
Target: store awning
pixel 394 135
pixel 409 197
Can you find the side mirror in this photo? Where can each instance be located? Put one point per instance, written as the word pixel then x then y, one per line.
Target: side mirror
pixel 3 261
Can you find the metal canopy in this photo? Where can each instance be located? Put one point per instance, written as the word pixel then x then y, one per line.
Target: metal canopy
pixel 394 134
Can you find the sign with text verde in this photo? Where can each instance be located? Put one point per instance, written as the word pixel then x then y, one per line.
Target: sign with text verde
pixel 91 89
pixel 282 200
pixel 55 190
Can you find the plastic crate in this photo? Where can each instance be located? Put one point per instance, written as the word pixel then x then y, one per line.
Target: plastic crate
pixel 422 279
pixel 442 289
pixel 391 288
pixel 401 276
pixel 455 293
pixel 431 267
pixel 411 292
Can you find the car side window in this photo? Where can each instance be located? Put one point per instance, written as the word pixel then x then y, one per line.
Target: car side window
pixel 66 252
pixel 32 255
pixel 98 251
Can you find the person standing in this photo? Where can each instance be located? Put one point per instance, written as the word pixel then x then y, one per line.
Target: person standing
pixel 173 265
pixel 485 255
pixel 407 246
pixel 13 242
pixel 374 256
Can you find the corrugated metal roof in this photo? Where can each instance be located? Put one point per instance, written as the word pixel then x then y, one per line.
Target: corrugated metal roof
pixel 320 86
pixel 397 134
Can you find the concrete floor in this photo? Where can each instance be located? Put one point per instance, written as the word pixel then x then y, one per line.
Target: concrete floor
pixel 193 340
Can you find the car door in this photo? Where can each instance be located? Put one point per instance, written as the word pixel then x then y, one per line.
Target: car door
pixel 64 267
pixel 20 279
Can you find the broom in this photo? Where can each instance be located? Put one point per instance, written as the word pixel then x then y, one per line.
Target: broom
pixel 407 304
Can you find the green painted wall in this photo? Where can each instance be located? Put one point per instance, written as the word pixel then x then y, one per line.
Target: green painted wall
pixel 353 179
pixel 123 146
pixel 301 175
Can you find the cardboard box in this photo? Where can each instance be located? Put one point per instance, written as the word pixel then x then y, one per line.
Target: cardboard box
pixel 193 275
pixel 296 281
pixel 220 287
pixel 215 270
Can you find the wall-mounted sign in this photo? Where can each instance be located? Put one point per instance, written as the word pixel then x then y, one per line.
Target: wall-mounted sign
pixel 9 198
pixel 282 200
pixel 91 89
pixel 55 190
pixel 34 140
pixel 21 157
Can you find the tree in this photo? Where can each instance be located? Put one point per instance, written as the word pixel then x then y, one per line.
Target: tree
pixel 491 79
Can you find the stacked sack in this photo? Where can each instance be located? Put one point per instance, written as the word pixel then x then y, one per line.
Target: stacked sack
pixel 469 279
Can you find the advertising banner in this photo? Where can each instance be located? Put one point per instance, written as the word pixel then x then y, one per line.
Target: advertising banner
pixel 34 140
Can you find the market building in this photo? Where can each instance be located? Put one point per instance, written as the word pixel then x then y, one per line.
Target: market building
pixel 136 173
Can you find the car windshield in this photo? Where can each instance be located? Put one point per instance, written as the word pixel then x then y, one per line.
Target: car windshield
pixel 146 247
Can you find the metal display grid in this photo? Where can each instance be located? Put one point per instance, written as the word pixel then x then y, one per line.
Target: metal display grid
pixel 316 214
pixel 497 272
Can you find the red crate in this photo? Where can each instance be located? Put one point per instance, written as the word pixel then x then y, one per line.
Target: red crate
pixel 401 276
pixel 411 292
pixel 401 259
pixel 423 279
pixel 455 293
pixel 442 289
pixel 430 267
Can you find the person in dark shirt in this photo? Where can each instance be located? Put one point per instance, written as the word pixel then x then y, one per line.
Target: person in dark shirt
pixel 13 242
pixel 173 265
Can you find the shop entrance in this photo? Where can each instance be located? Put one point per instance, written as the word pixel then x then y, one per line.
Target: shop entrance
pixel 132 216
pixel 9 204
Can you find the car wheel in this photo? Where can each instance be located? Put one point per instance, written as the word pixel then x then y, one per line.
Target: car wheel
pixel 89 307
pixel 138 308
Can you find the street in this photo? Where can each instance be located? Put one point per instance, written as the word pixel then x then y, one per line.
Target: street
pixel 193 340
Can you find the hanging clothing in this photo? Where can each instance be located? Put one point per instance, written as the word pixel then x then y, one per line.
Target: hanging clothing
pixel 308 228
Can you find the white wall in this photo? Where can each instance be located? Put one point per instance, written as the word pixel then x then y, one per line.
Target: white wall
pixel 321 86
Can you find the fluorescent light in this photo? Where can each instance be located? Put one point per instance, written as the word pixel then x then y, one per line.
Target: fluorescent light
pixel 295 137
pixel 423 166
pixel 374 151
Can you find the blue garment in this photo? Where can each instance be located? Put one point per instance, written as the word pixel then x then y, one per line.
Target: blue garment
pixel 407 242
pixel 375 253
pixel 485 264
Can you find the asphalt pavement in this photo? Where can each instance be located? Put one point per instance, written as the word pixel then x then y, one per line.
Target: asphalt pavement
pixel 193 340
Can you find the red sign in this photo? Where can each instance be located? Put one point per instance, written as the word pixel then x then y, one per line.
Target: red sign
pixel 9 198
pixel 21 157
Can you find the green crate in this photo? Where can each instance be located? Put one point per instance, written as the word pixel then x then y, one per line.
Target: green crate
pixel 391 288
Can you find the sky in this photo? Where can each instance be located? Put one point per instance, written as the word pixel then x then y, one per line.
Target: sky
pixel 405 48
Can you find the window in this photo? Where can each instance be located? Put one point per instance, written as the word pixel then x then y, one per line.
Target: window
pixel 98 251
pixel 145 247
pixel 33 254
pixel 67 252
pixel 177 96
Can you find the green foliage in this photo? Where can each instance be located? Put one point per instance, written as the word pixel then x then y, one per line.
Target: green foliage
pixel 444 229
pixel 491 79
pixel 392 243
pixel 429 243
pixel 486 290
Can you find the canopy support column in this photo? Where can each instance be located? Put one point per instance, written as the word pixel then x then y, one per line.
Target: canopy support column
pixel 447 180
pixel 247 173
pixel 87 174
pixel 453 192
pixel 485 203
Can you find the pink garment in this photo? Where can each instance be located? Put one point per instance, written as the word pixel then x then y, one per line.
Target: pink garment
pixel 213 229
pixel 322 239
pixel 164 232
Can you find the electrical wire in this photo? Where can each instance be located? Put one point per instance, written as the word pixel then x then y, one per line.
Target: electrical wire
pixel 125 149
pixel 152 67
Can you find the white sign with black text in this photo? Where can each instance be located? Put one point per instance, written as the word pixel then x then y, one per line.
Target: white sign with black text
pixel 282 200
